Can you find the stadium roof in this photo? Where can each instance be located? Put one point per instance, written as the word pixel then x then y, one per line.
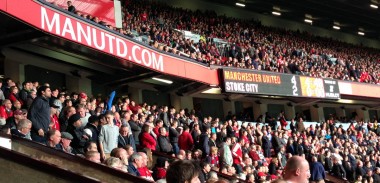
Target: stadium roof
pixel 352 16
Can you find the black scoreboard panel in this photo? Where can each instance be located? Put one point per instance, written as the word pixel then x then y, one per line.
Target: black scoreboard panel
pixel 271 83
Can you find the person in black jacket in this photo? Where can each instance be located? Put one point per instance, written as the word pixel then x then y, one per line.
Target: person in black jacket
pixel 125 138
pixel 203 143
pixel 276 144
pixel 80 137
pixel 39 114
pixel 204 172
pixel 164 116
pixel 70 7
pixel 163 142
pixel 92 125
pixel 173 136
pixel 23 95
pixel 338 170
pixel 135 127
pixel 266 144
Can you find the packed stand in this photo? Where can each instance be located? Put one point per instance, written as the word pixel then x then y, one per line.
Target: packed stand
pixel 123 134
pixel 245 43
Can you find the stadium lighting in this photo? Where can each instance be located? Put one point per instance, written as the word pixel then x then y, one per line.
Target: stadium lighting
pixel 240 4
pixel 336 27
pixel 163 80
pixel 276 13
pixel 361 33
pixel 374 6
pixel 308 21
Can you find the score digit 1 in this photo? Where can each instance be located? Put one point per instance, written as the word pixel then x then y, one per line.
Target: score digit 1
pixel 294 87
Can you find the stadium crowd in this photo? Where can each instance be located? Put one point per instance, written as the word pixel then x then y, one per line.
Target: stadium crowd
pixel 123 134
pixel 246 43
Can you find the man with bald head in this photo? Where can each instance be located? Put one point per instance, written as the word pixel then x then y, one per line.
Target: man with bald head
pixel 297 170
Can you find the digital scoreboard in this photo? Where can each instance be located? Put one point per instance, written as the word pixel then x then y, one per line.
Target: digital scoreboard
pixel 271 83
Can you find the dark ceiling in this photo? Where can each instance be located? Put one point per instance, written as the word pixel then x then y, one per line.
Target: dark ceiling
pixel 351 14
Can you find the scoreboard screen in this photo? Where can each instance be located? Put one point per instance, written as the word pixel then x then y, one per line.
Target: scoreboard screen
pixel 271 83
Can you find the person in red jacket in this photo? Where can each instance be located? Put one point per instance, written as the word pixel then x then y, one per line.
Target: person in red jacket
pixel 146 140
pixel 185 140
pixel 13 96
pixel 159 171
pixel 6 110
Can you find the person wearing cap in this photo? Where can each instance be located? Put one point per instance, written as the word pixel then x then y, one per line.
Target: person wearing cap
pixel 54 123
pixel 80 138
pixel 14 120
pixel 39 114
pixel 64 145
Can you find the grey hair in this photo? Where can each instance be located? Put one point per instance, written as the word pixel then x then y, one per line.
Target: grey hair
pixel 23 124
pixel 113 162
pixel 135 156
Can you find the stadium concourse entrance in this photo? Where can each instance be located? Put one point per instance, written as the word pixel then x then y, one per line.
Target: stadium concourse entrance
pixel 28 54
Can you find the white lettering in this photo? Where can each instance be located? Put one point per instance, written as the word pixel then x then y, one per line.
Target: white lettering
pixel 251 88
pixel 134 53
pixel 50 24
pixel 95 38
pixel 234 86
pixel 143 57
pixel 120 45
pixel 158 64
pixel 68 28
pixel 110 42
pixel 85 34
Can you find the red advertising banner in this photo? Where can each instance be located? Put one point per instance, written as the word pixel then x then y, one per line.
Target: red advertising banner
pixel 359 89
pixel 103 9
pixel 59 24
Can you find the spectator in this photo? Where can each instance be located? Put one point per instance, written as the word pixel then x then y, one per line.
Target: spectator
pixel 297 170
pixel 237 155
pixel 68 111
pixel 226 158
pixel 143 170
pixel 64 145
pixel 39 114
pixel 122 155
pixel 203 143
pixel 204 172
pixel 5 111
pixel 163 142
pixel 70 7
pixel 93 126
pixel 146 139
pixel 125 138
pixel 115 163
pixel 93 156
pixel 185 140
pixel 54 124
pixel 135 127
pixel 159 170
pixel 18 115
pixel 182 171
pixel 80 138
pixel 108 136
pixel 173 136
pixel 135 163
pixel 317 171
pixel 23 129
pixel 53 138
